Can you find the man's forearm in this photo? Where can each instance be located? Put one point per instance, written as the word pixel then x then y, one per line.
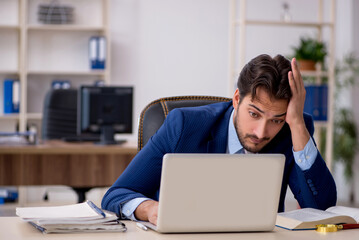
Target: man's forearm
pixel 300 136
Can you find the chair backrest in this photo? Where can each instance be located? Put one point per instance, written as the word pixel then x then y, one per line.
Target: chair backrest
pixel 59 114
pixel 154 114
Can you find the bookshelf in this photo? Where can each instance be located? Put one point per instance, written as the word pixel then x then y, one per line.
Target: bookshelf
pixel 37 53
pixel 239 22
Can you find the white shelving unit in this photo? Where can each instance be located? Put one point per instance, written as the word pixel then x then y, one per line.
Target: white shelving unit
pixel 9 51
pixel 238 43
pixel 37 53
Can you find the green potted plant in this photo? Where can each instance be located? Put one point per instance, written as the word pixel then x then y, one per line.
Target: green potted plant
pixel 309 52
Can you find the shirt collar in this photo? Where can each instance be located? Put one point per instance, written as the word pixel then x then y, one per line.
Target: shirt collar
pixel 234 145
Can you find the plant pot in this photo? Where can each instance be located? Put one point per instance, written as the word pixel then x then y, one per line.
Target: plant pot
pixel 316 102
pixel 306 65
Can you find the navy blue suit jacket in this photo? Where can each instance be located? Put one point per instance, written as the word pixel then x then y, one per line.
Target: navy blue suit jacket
pixel 204 129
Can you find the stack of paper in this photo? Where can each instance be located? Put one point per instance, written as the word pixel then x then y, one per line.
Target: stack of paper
pixel 82 217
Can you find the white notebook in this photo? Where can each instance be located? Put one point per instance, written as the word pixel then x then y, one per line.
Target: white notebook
pixel 75 212
pixel 81 217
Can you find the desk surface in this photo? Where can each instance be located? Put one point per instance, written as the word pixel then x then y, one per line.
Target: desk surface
pixel 14 228
pixel 61 147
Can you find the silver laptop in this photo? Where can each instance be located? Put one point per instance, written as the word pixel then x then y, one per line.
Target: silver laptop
pixel 219 192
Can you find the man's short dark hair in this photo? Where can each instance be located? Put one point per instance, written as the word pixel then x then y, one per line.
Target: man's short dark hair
pixel 266 72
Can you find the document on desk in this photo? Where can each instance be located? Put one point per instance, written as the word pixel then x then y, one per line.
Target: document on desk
pixel 82 217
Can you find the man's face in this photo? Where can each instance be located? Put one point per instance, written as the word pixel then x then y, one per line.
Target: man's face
pixel 259 120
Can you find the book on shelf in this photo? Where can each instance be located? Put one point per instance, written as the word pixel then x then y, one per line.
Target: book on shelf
pixel 81 217
pixel 97 52
pixel 308 218
pixel 316 102
pixel 11 96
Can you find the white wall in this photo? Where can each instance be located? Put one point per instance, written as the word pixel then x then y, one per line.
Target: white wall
pixel 167 48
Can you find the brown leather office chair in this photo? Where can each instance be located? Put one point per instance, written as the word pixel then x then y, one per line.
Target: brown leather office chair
pixel 154 114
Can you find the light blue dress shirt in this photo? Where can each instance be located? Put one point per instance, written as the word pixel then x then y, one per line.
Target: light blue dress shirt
pixel 304 159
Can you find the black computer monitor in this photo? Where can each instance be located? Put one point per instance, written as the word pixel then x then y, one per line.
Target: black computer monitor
pixel 104 110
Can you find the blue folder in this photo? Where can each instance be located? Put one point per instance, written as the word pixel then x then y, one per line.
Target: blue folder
pixel 8 84
pixel 97 52
pixel 11 98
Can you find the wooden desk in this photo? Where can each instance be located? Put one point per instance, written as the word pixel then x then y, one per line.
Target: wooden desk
pixel 15 229
pixel 77 165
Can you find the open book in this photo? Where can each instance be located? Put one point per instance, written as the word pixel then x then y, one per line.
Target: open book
pixel 308 218
pixel 81 217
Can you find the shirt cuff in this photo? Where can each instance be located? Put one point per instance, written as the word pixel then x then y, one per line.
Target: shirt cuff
pixel 307 156
pixel 129 207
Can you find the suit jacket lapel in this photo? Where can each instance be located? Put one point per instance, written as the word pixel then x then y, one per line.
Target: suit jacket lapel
pixel 217 142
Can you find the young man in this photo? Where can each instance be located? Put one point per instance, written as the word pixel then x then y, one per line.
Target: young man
pixel 265 116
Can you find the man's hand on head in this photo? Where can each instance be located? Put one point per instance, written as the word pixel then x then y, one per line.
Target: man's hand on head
pixel 296 103
pixel 147 211
pixel 294 118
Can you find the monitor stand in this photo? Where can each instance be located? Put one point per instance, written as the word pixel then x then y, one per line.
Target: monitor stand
pixel 107 136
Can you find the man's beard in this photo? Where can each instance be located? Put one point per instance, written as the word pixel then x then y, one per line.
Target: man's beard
pixel 242 139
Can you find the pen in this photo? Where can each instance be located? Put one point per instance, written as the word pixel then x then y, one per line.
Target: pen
pixel 97 209
pixel 143 227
